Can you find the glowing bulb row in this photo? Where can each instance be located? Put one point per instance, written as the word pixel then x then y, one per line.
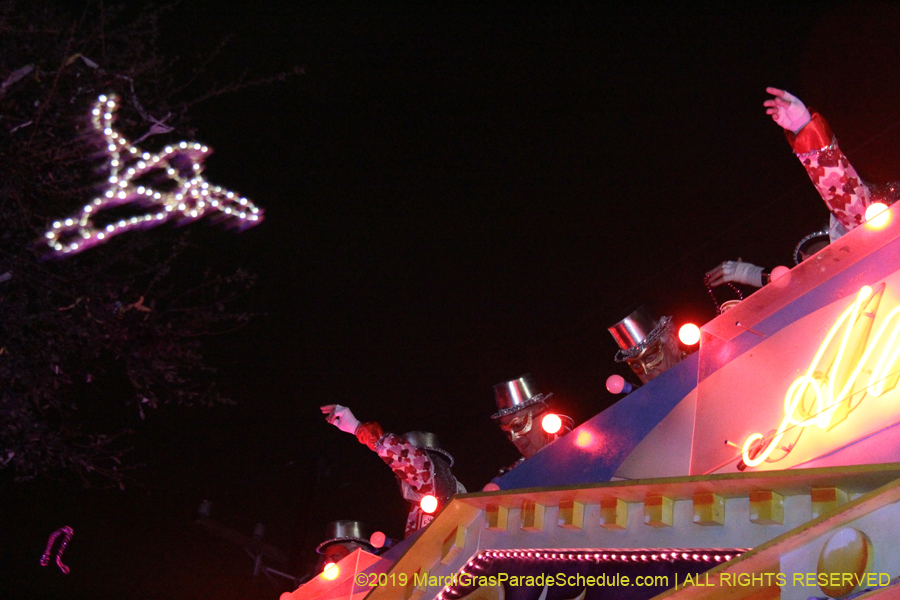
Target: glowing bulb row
pixel 192 198
pixel 641 556
pixel 619 556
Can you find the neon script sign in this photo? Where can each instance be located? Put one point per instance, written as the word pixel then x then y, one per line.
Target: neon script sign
pixel 824 396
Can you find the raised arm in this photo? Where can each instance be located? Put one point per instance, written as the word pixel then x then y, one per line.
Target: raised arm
pixel 845 194
pixel 410 464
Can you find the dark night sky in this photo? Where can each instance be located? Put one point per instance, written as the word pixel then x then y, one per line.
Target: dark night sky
pixel 454 197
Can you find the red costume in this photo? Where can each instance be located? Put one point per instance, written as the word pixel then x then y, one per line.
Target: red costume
pixel 418 472
pixel 845 194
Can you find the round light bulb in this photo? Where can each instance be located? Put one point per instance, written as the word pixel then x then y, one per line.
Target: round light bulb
pixel 877 215
pixel 615 384
pixel 689 334
pixel 331 571
pixel 377 540
pixel 778 273
pixel 551 423
pixel 429 504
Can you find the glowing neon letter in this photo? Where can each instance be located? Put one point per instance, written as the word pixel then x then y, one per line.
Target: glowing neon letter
pixel 827 399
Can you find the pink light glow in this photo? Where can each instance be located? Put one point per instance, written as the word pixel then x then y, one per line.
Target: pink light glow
pixel 584 439
pixel 877 215
pixel 429 504
pixel 689 334
pixel 615 384
pixel 377 540
pixel 331 571
pixel 551 423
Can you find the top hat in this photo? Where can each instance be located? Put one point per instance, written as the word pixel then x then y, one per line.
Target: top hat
pixel 636 332
pixel 513 396
pixel 427 441
pixel 802 245
pixel 344 531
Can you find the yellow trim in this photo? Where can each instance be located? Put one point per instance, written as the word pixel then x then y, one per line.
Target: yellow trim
pixel 766 508
pixel 571 514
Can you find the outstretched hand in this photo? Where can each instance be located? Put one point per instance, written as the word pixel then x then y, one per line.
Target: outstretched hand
pixel 787 110
pixel 341 417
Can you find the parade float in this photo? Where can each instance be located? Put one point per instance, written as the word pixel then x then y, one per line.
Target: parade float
pixel 764 465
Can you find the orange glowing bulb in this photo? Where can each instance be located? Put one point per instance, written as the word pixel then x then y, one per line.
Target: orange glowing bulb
pixel 551 423
pixel 331 571
pixel 877 215
pixel 429 504
pixel 689 334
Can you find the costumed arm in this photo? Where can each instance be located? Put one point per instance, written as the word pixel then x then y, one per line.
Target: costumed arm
pixel 845 194
pixel 410 464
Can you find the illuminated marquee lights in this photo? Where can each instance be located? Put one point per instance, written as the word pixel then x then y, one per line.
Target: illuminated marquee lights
pixel 826 388
pixel 191 197
pixel 482 561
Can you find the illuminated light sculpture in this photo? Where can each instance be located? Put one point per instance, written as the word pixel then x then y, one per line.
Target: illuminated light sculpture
pixel 132 176
pixel 830 393
pixel 877 215
pixel 67 533
pixel 551 423
pixel 689 334
pixel 428 504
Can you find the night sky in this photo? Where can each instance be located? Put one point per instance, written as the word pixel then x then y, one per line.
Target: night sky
pixel 454 197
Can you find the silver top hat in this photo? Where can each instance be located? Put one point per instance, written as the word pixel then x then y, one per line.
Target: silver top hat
pixel 513 396
pixel 636 332
pixel 802 245
pixel 427 441
pixel 344 531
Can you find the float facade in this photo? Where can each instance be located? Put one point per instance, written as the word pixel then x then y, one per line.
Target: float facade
pixel 766 465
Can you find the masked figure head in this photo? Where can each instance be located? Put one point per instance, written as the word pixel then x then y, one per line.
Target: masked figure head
pixel 649 347
pixel 342 538
pixel 520 408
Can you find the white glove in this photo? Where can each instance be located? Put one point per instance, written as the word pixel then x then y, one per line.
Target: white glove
pixel 341 417
pixel 735 272
pixel 787 110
